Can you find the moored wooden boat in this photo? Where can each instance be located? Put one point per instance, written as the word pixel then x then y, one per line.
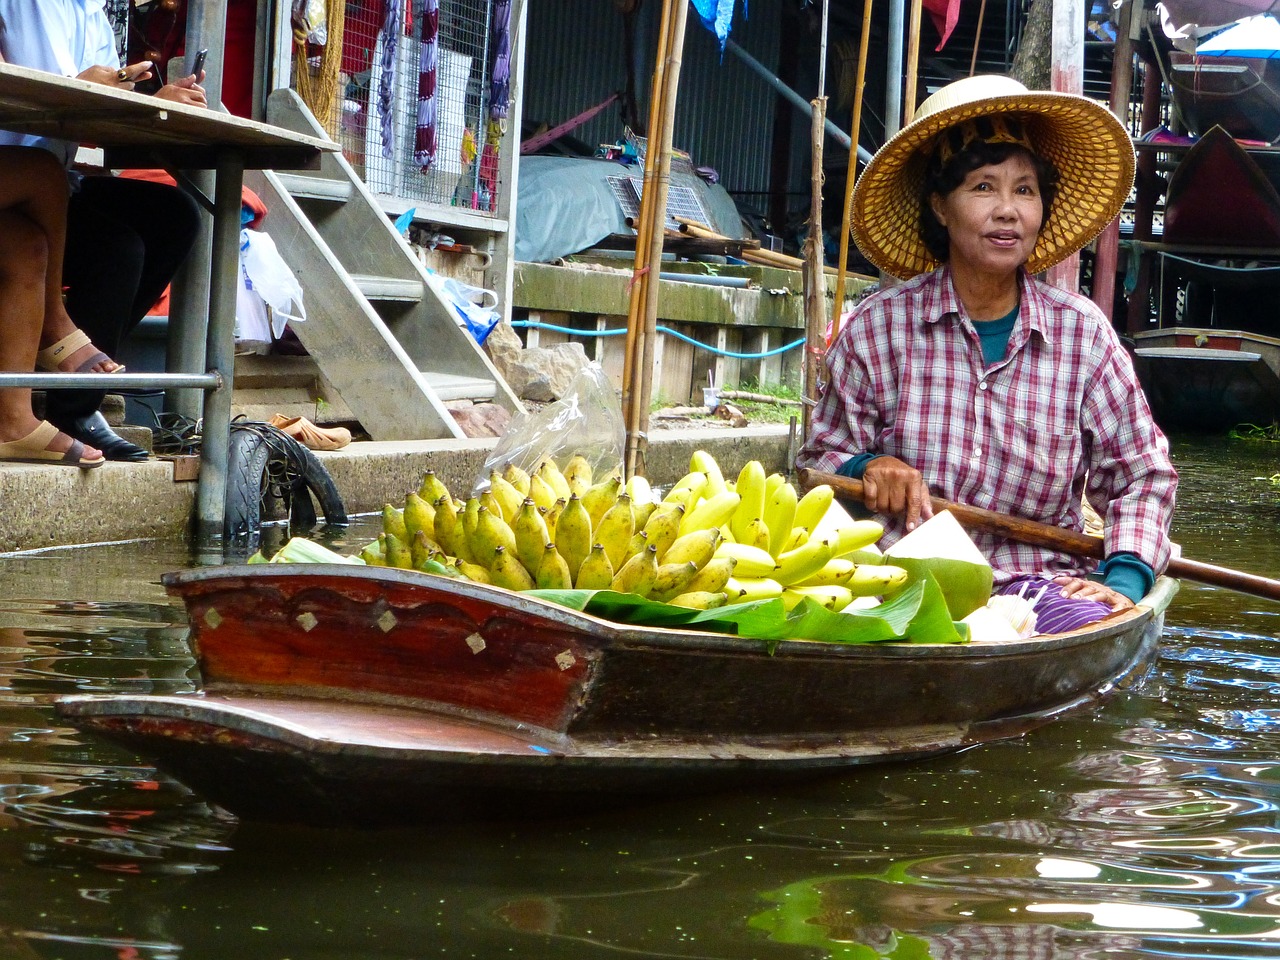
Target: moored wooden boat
pixel 363 694
pixel 1208 379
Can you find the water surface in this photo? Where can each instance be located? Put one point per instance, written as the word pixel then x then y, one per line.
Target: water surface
pixel 1148 829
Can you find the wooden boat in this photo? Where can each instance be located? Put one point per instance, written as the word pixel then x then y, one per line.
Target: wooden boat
pixel 1206 379
pixel 336 693
pixel 1240 94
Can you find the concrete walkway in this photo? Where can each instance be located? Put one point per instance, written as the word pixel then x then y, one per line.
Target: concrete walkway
pixel 43 506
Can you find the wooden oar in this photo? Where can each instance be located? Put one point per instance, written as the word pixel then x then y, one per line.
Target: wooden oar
pixel 1055 538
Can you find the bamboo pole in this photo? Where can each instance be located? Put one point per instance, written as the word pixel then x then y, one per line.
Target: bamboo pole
pixel 913 62
pixel 977 37
pixel 660 188
pixel 815 283
pixel 851 176
pixel 632 373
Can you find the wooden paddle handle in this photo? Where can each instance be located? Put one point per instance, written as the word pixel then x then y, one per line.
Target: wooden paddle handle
pixel 1055 538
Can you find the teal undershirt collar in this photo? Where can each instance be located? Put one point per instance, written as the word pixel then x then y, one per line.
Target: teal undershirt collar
pixel 994 335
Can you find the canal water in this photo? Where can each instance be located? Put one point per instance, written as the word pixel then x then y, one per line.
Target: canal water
pixel 1147 829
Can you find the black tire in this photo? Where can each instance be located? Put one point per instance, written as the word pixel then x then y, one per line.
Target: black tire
pixel 258 456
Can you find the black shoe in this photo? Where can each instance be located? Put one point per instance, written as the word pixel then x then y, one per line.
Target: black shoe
pixel 96 432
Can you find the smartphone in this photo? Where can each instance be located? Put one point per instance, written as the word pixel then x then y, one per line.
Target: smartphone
pixel 198 63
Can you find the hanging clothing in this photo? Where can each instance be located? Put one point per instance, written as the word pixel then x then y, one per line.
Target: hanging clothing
pixel 390 39
pixel 424 137
pixel 500 69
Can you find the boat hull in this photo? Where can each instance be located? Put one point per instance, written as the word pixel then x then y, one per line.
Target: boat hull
pixel 425 698
pixel 1203 379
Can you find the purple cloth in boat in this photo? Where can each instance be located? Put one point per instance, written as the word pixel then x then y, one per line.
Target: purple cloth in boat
pixel 1054 612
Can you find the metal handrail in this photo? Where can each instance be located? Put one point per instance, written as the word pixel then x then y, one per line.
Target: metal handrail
pixel 113 382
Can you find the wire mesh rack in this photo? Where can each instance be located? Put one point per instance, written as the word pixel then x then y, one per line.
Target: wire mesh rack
pixel 418 113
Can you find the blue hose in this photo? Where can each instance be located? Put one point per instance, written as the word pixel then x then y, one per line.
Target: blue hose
pixel 667 330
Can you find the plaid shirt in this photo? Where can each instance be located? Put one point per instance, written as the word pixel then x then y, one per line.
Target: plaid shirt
pixel 1060 416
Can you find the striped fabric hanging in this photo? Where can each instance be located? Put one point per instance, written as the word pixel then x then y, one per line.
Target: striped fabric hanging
pixel 390 39
pixel 424 138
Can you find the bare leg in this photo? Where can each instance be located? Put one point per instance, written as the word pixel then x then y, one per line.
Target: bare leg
pixel 24 260
pixel 33 183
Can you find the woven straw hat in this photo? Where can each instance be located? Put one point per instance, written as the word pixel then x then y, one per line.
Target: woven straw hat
pixel 1088 145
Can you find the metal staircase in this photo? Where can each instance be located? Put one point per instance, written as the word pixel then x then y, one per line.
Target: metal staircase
pixel 377 332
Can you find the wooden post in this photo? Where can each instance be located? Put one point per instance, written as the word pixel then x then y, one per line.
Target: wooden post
pixel 1108 249
pixel 913 62
pixel 1067 66
pixel 638 442
pixel 815 281
pixel 851 174
pixel 1145 202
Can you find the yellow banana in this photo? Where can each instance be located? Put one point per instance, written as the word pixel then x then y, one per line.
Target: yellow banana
pixel 835 573
pixel 507 571
pixel 771 483
pixel 397 552
pixel 418 515
pixel 750 490
pixel 470 510
pixel 700 599
pixel 372 552
pixel 688 489
pixel 744 589
pixel 638 574
pixel 813 506
pixel 600 497
pixel 541 492
pixel 642 511
pixel 664 526
pixel 779 516
pixel 531 535
pixel 706 463
pixel 876 580
pixel 393 523
pixel 639 541
pixel 492 532
pixel 751 561
pixel 671 579
pixel 473 571
pixel 698 546
pixel 508 497
pixel 552 517
pixel 553 572
pixel 856 535
pixel 573 534
pixel 577 473
pixel 421 547
pixel 802 562
pixel 756 534
pixel 799 537
pixel 615 529
pixel 712 577
pixel 490 502
pixel 714 511
pixel 549 472
pixel 517 478
pixel 639 489
pixel 432 489
pixel 596 573
pixel 449 530
pixel 831 596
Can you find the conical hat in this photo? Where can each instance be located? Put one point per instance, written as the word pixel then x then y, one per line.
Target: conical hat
pixel 1088 145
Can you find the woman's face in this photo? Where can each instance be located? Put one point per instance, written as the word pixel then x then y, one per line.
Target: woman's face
pixel 993 217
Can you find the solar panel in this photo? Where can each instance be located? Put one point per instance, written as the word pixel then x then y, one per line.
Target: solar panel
pixel 682 200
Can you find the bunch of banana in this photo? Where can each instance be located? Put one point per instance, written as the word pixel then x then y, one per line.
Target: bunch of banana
pixel 708 542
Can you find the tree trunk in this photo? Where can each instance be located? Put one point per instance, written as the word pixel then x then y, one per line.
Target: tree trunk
pixel 1033 63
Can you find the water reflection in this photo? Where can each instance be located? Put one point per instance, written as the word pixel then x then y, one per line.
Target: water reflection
pixel 1146 830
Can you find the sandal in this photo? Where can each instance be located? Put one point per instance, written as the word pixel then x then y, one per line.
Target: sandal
pixel 49 358
pixel 309 435
pixel 34 448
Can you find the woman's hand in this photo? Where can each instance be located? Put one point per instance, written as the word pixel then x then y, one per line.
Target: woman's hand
pixel 893 488
pixel 1083 589
pixel 187 90
pixel 123 78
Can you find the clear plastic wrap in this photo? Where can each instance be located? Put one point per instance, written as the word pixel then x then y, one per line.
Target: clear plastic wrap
pixel 587 420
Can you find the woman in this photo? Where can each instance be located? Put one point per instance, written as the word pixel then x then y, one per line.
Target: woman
pixel 978 383
pixel 33 217
pixel 125 238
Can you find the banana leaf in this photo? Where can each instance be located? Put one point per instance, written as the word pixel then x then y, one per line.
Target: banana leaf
pixel 918 614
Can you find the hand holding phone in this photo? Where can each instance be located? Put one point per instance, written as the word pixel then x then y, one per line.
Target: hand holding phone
pixel 198 63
